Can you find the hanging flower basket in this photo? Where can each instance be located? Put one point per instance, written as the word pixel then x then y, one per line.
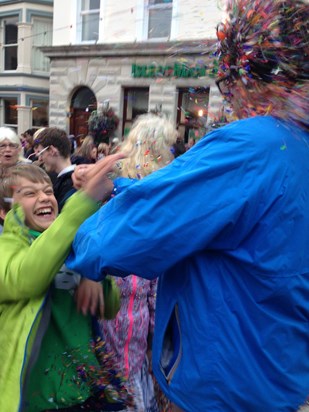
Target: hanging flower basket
pixel 102 124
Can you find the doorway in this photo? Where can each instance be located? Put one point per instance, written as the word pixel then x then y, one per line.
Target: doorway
pixel 83 103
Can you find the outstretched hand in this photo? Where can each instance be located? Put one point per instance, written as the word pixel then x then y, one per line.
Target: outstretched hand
pixel 90 298
pixel 93 179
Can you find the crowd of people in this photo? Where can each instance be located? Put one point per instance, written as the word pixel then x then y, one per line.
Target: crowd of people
pixel 143 276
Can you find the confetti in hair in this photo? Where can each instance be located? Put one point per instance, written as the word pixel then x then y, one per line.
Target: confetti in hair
pixel 266 42
pixel 148 146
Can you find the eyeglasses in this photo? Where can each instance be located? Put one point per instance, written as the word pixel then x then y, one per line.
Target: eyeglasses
pixel 39 153
pixel 12 146
pixel 224 84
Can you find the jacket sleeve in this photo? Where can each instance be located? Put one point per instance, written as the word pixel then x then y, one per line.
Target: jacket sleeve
pixel 207 199
pixel 27 270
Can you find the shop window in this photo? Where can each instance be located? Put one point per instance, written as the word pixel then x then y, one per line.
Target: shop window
pixel 39 113
pixel 90 20
pixel 136 102
pixel 42 36
pixel 9 112
pixel 192 112
pixel 159 19
pixel 10 40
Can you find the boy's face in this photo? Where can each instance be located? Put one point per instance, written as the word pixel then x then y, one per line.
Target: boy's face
pixel 38 202
pixel 48 157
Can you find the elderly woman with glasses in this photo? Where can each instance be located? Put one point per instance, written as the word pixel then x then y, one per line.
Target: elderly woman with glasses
pixel 10 150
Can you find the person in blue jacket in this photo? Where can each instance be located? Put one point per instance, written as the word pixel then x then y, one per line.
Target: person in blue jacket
pixel 225 226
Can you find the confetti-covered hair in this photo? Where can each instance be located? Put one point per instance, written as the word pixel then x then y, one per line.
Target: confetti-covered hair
pixel 148 145
pixel 267 42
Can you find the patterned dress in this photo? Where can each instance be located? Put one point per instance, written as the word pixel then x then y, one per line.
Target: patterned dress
pixel 129 337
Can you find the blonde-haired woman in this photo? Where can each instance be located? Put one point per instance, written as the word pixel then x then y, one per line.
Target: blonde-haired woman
pixel 103 150
pixel 149 146
pixel 86 153
pixel 129 335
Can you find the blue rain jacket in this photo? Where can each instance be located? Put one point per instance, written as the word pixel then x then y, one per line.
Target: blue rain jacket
pixel 226 228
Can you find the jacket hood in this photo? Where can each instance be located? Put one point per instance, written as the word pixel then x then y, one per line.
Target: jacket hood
pixel 15 222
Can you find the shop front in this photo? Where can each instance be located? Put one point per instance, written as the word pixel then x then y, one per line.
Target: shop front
pixel 134 79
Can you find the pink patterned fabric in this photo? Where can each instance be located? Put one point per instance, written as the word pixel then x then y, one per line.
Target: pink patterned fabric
pixel 127 335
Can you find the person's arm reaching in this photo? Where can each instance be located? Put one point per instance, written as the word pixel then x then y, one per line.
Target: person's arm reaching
pixel 27 271
pixel 206 199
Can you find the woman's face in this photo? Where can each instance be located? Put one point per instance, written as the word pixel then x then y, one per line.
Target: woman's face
pixel 94 153
pixel 9 153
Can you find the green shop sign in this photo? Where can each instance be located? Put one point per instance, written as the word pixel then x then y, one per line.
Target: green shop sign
pixel 178 70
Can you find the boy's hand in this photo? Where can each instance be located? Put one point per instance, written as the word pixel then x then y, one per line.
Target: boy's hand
pixel 89 297
pixel 79 175
pixel 93 178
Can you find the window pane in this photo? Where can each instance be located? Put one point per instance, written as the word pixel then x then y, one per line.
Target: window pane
pixel 42 36
pixel 84 98
pixel 90 27
pixel 10 111
pixel 10 58
pixel 39 113
pixel 90 5
pixel 192 113
pixel 10 34
pixel 136 102
pixel 153 2
pixel 10 30
pixel 159 23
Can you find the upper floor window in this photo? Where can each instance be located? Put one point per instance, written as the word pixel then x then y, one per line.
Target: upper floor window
pixel 42 36
pixel 10 41
pixel 159 19
pixel 90 20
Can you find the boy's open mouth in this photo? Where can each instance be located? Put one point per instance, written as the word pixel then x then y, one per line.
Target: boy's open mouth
pixel 44 211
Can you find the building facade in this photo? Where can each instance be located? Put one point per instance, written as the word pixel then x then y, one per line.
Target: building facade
pixel 134 56
pixel 25 26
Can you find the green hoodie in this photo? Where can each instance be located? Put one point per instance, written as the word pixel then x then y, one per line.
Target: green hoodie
pixel 27 268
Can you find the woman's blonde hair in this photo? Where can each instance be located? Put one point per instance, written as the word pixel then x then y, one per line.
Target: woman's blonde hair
pixel 103 148
pixel 36 135
pixel 86 147
pixel 148 146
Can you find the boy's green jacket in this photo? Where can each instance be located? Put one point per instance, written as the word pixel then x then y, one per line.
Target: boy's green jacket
pixel 25 275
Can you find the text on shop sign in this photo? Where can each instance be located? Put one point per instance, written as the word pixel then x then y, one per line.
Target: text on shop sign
pixel 178 70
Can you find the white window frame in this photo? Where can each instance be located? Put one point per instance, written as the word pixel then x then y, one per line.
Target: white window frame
pixel 4 45
pixel 45 63
pixel 80 14
pixel 161 6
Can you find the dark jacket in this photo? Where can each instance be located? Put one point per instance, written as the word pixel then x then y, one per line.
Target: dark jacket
pixel 63 188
